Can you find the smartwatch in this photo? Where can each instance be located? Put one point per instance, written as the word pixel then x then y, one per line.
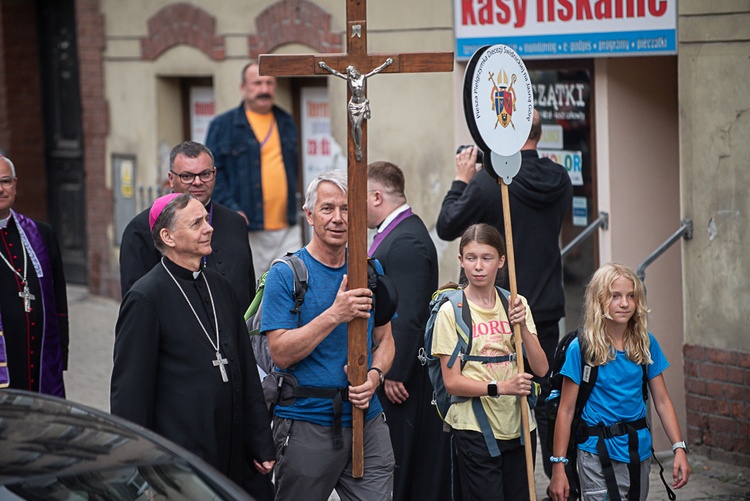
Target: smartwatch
pixel 492 389
pixel 680 445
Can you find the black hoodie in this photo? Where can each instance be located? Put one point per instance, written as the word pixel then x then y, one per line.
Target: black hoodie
pixel 540 197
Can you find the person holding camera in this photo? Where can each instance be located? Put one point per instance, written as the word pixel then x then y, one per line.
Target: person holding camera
pixel 540 197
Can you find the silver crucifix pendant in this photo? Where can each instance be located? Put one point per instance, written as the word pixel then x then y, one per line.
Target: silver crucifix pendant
pixel 27 296
pixel 220 363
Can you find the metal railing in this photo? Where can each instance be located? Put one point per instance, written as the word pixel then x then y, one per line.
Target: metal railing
pixel 685 231
pixel 602 220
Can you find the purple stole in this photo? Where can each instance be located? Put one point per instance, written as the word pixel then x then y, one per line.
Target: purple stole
pixel 50 372
pixel 381 235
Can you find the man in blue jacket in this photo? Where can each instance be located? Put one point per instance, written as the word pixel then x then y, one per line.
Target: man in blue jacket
pixel 256 149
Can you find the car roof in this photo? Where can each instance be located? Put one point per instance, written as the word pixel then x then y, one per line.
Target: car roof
pixel 43 437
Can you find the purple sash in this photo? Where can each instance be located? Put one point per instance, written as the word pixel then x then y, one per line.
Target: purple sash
pixel 381 235
pixel 50 372
pixel 4 376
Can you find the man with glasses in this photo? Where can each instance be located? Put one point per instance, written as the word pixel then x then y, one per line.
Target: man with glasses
pixel 192 170
pixel 33 301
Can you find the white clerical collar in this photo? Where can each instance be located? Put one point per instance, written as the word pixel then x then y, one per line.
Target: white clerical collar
pixel 393 215
pixel 196 274
pixel 4 222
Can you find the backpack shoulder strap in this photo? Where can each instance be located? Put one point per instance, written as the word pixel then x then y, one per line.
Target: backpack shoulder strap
pixel 588 375
pixel 299 272
pixel 457 299
pixel 504 297
pixel 372 274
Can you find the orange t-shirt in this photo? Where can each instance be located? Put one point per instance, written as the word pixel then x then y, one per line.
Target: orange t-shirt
pixel 272 173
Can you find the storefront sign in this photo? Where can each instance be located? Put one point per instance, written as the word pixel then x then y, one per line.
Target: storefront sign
pixel 571 160
pixel 320 153
pixel 580 211
pixel 202 111
pixel 567 28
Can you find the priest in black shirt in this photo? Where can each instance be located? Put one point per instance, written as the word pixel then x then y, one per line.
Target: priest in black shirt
pixel 183 366
pixel 191 170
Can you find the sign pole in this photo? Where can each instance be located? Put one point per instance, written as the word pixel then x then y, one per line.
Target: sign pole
pixel 524 402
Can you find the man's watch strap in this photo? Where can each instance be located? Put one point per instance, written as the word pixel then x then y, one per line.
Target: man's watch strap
pixel 680 445
pixel 381 376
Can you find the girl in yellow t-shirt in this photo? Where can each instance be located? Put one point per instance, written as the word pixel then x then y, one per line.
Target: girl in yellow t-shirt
pixel 498 384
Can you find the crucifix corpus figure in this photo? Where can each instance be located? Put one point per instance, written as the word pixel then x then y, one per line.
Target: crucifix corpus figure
pixel 344 66
pixel 359 105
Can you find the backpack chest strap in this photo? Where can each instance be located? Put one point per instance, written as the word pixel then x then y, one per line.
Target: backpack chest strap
pixel 488 360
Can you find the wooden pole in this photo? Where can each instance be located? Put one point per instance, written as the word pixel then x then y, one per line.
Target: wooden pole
pixel 524 402
pixel 357 272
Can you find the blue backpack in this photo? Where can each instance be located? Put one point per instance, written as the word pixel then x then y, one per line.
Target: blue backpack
pixel 441 399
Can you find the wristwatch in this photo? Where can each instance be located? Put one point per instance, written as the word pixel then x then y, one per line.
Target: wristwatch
pixel 492 388
pixel 680 445
pixel 381 376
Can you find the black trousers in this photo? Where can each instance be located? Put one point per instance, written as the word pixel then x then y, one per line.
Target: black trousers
pixel 483 477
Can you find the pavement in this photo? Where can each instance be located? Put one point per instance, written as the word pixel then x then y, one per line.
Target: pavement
pixel 92 326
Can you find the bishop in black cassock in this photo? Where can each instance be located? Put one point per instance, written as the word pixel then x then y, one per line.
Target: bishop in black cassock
pixel 33 300
pixel 169 373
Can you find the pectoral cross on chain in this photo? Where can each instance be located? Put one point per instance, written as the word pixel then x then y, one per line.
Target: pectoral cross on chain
pixel 27 296
pixel 355 66
pixel 220 363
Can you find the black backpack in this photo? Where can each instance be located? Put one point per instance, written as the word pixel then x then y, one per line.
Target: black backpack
pixel 579 431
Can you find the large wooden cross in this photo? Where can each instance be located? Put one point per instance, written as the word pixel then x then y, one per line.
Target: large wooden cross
pixel 355 66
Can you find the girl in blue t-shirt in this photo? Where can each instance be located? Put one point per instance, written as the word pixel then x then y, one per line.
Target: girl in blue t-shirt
pixel 618 343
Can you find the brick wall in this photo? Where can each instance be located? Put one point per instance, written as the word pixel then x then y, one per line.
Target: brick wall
pixel 718 401
pixel 102 276
pixel 182 23
pixel 21 130
pixel 290 21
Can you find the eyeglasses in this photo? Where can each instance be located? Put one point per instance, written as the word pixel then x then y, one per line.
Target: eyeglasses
pixel 189 177
pixel 7 182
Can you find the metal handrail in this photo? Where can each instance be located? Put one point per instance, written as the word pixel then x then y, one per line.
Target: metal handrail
pixel 602 220
pixel 685 231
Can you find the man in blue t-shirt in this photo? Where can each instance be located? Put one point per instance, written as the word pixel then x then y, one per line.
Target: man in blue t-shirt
pixel 313 435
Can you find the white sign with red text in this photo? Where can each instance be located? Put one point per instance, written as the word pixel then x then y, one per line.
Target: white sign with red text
pixel 567 28
pixel 320 153
pixel 202 111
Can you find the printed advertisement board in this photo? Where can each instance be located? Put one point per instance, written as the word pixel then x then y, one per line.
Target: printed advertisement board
pixel 559 29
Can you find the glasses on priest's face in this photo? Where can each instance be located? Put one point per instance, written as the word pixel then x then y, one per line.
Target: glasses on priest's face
pixel 189 177
pixel 7 182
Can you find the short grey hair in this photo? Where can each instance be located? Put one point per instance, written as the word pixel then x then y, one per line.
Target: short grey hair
pixel 167 219
pixel 336 177
pixel 189 149
pixel 10 164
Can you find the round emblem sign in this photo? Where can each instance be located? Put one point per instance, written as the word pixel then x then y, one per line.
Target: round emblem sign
pixel 498 100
